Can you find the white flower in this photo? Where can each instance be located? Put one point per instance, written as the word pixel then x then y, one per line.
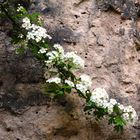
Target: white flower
pixel 59 48
pixel 130 115
pixel 100 93
pixel 35 32
pixel 70 83
pixel 110 105
pixel 84 84
pixel 82 88
pixel 86 80
pixel 110 108
pixel 42 50
pixel 113 102
pixel 20 8
pixel 26 23
pixel 20 36
pixel 100 97
pixel 121 107
pixel 54 80
pixel 76 60
pixel 54 56
pixel 126 116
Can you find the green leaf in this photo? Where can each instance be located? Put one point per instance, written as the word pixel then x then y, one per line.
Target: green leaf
pixel 51 88
pixel 59 93
pixel 90 105
pixel 20 50
pixel 34 18
pixel 67 88
pixel 116 109
pixel 111 120
pixel 100 112
pixel 118 120
pixel 118 128
pixel 45 45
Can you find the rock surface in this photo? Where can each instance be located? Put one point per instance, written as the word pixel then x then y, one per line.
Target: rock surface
pixel 111 49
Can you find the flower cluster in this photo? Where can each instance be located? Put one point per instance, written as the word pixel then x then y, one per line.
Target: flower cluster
pixel 20 8
pixel 129 114
pixel 55 56
pixel 84 84
pixel 101 98
pixel 54 80
pixel 58 56
pixel 70 83
pixel 26 23
pixel 34 32
pixel 42 50
pixel 65 79
pixel 76 60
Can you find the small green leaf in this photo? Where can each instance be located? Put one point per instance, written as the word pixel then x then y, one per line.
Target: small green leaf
pixel 116 109
pixel 111 120
pixel 119 121
pixel 45 45
pixel 20 50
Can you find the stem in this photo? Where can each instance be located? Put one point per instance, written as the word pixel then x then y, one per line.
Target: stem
pixel 7 14
pixel 14 23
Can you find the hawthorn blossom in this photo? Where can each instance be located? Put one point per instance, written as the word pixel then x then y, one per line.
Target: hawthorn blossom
pixel 20 8
pixel 59 48
pixel 76 60
pixel 84 84
pixel 110 105
pixel 130 115
pixel 70 83
pixel 26 23
pixel 42 50
pixel 54 80
pixel 35 32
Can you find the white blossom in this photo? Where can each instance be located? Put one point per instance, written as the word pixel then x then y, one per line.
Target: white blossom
pixel 35 32
pixel 130 115
pixel 100 97
pixel 84 84
pixel 20 36
pixel 77 61
pixel 110 105
pixel 86 80
pixel 59 48
pixel 26 23
pixel 54 80
pixel 42 50
pixel 121 107
pixel 82 88
pixel 113 102
pixel 70 83
pixel 20 8
pixel 126 116
pixel 54 56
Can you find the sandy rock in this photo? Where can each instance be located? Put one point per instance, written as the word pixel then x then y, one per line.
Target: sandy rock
pixel 110 48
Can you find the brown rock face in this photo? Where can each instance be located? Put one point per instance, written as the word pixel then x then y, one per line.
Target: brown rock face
pixel 111 49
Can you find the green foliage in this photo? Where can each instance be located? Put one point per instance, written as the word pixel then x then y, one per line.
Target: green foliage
pixel 34 17
pixel 89 106
pixel 20 50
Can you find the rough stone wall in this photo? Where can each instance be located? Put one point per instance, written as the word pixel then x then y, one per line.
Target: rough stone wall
pixel 111 49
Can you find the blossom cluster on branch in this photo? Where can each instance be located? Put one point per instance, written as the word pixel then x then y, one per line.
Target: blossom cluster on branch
pixel 64 80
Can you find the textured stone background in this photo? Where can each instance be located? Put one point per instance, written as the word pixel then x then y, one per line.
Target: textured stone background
pixel 110 46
